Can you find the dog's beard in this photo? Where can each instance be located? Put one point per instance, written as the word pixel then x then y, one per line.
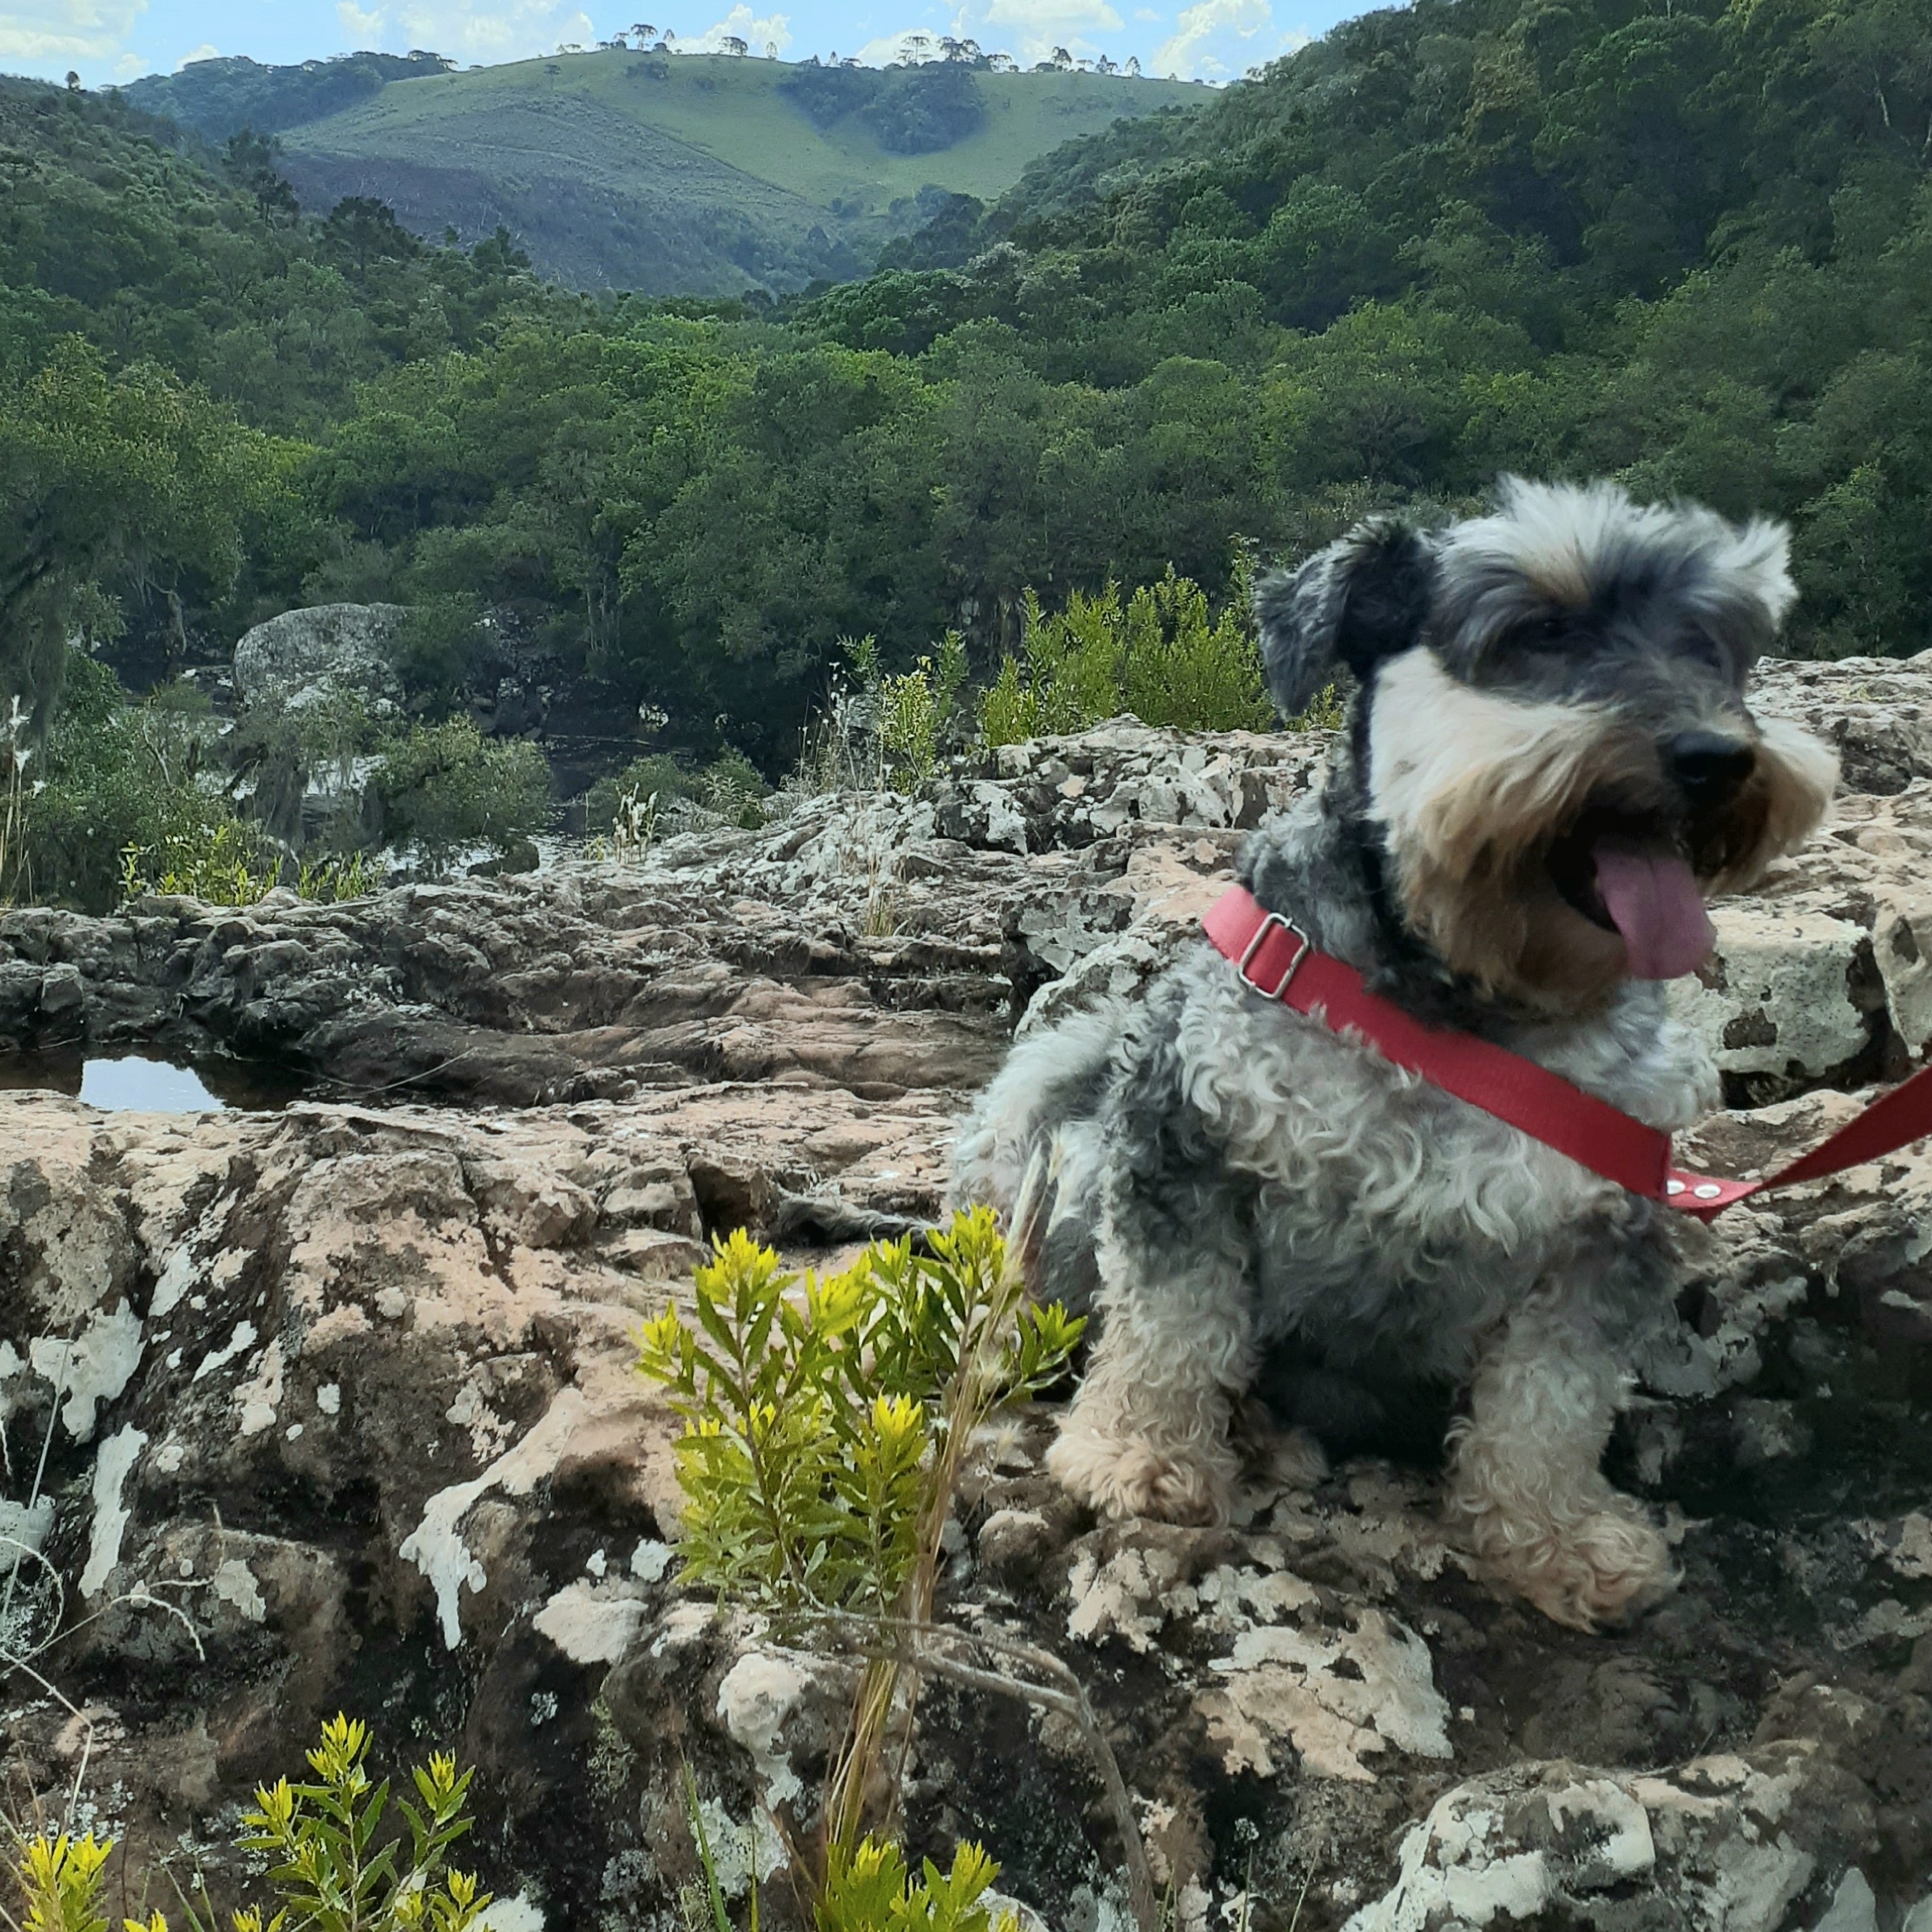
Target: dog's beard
pixel 1539 848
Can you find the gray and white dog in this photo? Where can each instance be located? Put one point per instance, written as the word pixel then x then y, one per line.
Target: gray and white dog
pixel 1549 765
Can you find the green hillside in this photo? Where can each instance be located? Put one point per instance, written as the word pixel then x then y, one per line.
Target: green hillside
pixel 696 175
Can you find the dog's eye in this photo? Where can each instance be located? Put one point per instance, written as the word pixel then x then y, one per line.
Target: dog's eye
pixel 1550 634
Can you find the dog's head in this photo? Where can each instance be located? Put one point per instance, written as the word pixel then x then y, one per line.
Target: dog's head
pixel 1551 729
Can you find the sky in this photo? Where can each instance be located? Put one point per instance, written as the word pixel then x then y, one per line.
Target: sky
pixel 108 41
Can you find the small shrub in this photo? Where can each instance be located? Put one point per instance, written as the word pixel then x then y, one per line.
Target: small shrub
pixel 1327 711
pixel 658 775
pixel 729 786
pixel 450 788
pixel 1160 656
pixel 733 788
pixel 330 881
pixel 813 1409
pixel 868 1889
pixel 224 864
pixel 60 1884
pixel 327 1870
pixel 115 776
pixel 889 734
pixel 826 1423
pixel 915 710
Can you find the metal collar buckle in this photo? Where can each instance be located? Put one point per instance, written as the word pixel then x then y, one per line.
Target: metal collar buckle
pixel 1255 944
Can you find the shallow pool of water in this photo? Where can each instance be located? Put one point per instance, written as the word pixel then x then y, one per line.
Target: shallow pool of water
pixel 144 1083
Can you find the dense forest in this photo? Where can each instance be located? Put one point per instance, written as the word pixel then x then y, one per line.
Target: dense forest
pixel 1688 244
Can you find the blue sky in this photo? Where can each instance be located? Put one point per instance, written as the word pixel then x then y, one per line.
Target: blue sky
pixel 117 40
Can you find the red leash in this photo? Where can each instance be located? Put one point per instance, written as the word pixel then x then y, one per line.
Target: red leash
pixel 1278 960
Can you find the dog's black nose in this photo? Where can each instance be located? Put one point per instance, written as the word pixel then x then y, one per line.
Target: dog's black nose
pixel 1708 765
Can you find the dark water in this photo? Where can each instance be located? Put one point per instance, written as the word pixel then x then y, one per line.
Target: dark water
pixel 144 1083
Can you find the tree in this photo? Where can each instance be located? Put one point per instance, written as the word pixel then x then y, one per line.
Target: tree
pixel 131 474
pixel 366 231
pixel 733 44
pixel 644 32
pixel 251 159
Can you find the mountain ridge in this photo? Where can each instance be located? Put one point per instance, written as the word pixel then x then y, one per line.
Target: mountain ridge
pixel 711 174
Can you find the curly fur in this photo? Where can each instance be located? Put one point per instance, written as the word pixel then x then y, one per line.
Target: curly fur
pixel 1230 1179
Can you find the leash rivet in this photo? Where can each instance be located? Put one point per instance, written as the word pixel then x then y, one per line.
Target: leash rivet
pixel 1708 1192
pixel 1674 1186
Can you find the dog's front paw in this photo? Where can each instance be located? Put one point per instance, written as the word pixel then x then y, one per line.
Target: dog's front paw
pixel 1122 1475
pixel 1600 1569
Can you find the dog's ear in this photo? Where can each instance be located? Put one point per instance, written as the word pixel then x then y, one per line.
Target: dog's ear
pixel 1362 598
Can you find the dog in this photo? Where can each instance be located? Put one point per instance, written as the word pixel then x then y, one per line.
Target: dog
pixel 1547 766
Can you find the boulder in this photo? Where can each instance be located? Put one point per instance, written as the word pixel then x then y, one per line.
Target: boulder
pixel 302 657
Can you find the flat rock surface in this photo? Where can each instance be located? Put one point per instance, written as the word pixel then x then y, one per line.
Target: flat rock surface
pixel 341 1411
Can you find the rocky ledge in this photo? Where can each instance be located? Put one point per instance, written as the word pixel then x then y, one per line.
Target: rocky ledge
pixel 341 1411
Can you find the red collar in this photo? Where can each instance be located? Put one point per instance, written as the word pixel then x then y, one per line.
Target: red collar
pixel 1279 961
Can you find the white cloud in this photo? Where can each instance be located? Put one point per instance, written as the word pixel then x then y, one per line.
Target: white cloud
pixel 740 23
pixel 486 31
pixel 1030 29
pixel 1220 39
pixel 40 31
pixel 889 47
pixel 204 52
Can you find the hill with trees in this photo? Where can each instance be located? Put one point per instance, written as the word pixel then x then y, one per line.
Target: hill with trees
pixel 219 97
pixel 705 174
pixel 1689 246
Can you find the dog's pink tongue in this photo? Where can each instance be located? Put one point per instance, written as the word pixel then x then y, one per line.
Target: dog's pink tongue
pixel 1651 895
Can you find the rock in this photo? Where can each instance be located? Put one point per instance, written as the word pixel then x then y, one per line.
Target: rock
pixel 341 1413
pixel 1726 1844
pixel 302 657
pixel 1877 711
